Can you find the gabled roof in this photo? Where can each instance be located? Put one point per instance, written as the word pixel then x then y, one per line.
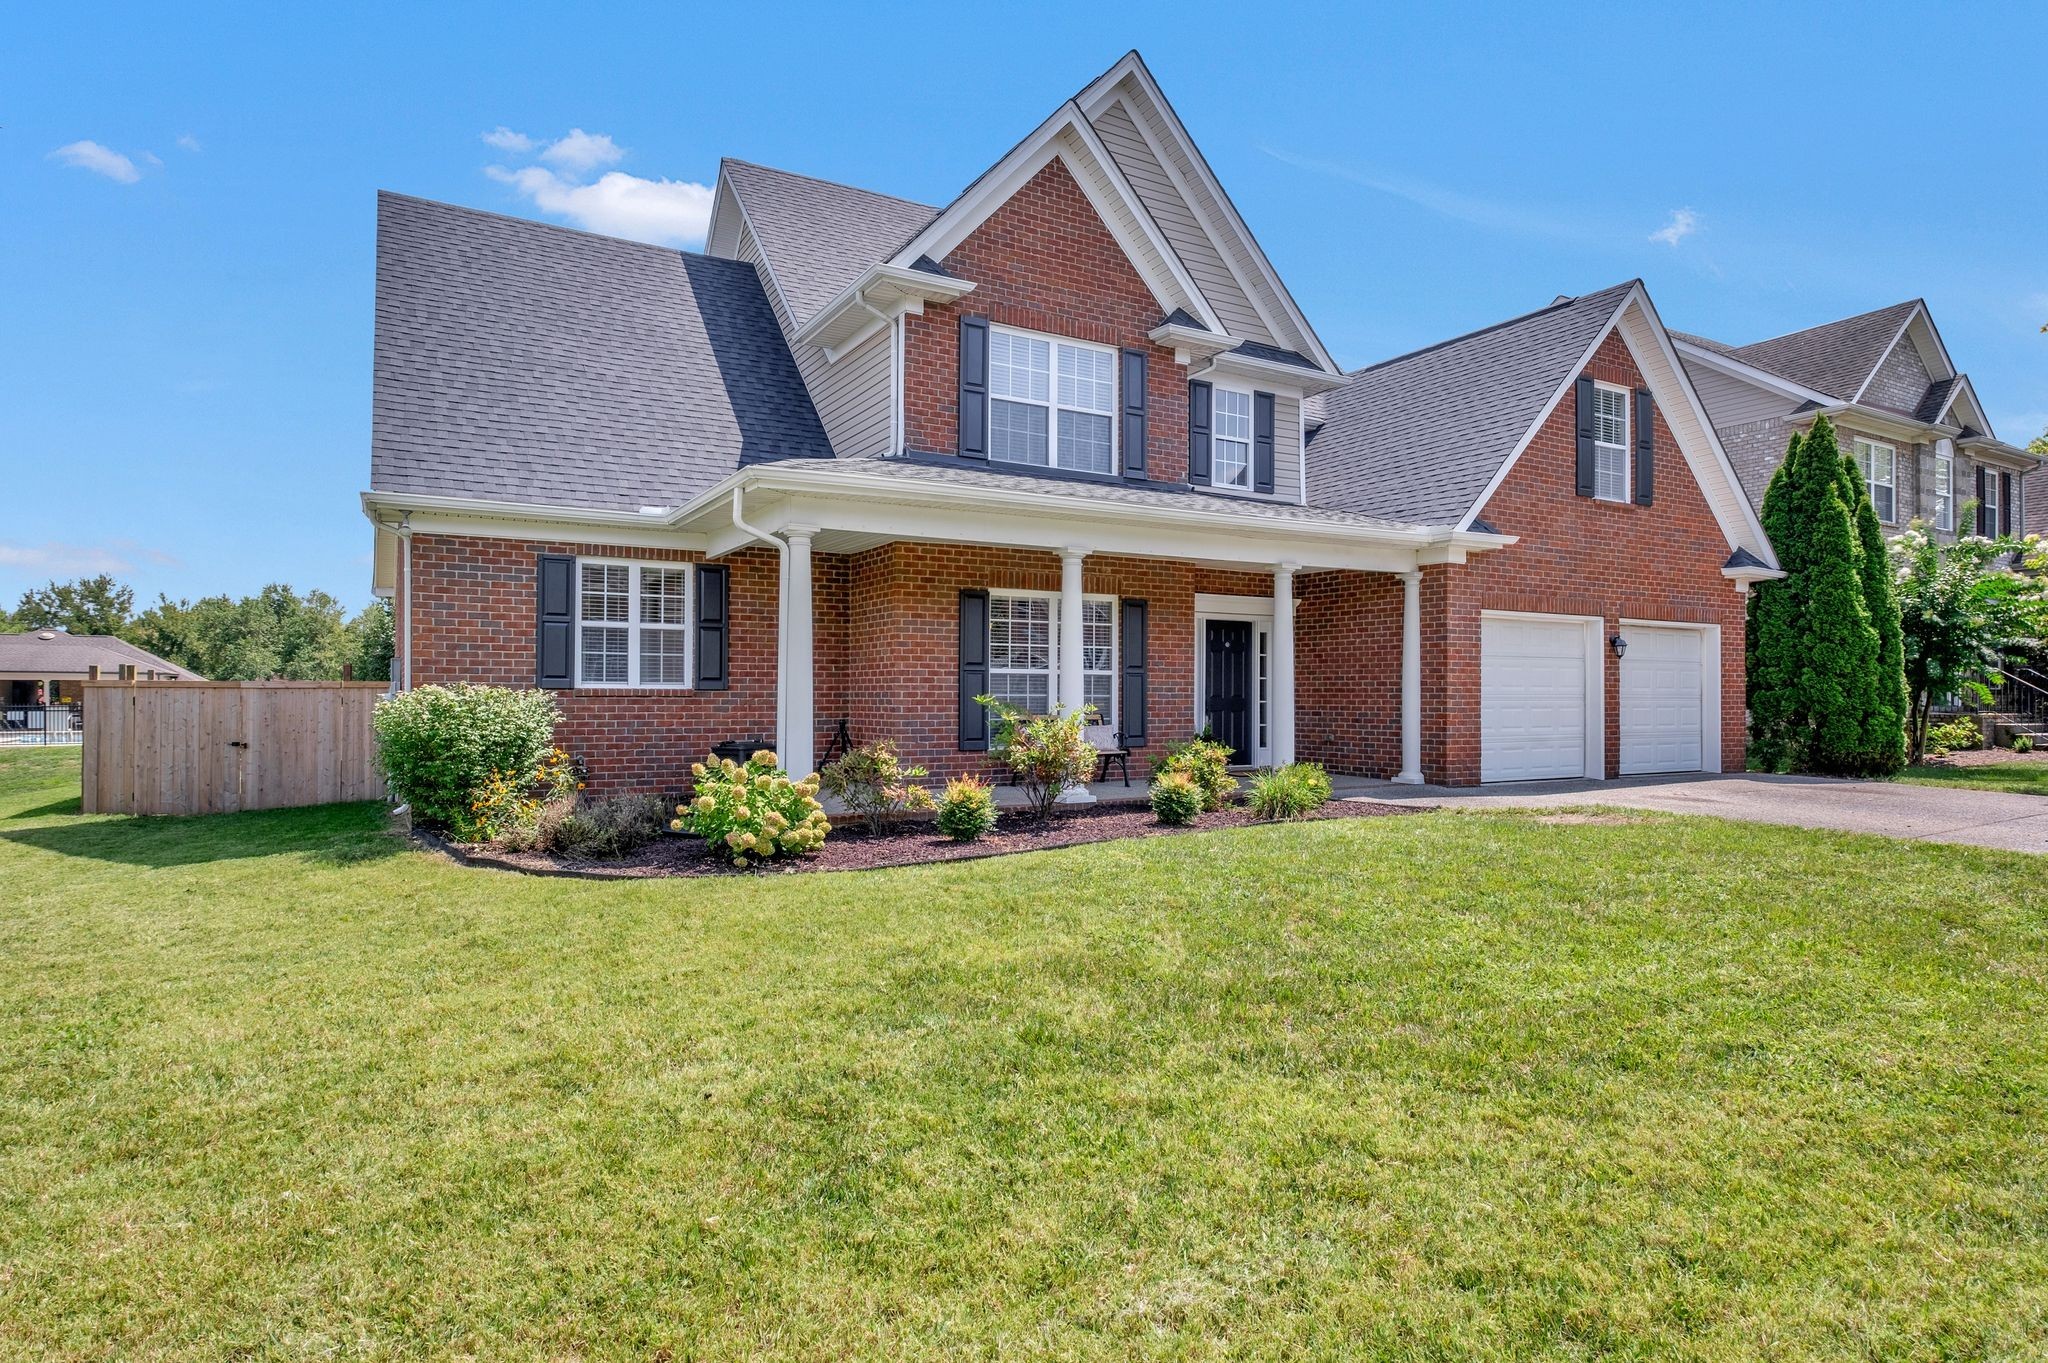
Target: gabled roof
pixel 516 360
pixel 53 653
pixel 1836 358
pixel 1419 437
pixel 817 236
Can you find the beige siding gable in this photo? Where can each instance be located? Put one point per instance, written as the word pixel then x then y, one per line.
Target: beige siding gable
pixel 1731 401
pixel 1169 209
pixel 853 394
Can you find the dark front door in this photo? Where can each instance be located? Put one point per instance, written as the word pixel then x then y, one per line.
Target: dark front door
pixel 1228 686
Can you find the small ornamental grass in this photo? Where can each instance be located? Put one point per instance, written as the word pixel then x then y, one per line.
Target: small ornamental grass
pixel 440 746
pixel 752 811
pixel 1176 799
pixel 872 781
pixel 968 809
pixel 1291 791
pixel 2023 743
pixel 1206 763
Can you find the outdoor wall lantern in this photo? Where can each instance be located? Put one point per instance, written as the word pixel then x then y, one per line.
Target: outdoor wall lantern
pixel 1618 644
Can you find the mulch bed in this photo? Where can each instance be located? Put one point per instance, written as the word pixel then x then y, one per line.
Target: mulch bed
pixel 1985 757
pixel 909 844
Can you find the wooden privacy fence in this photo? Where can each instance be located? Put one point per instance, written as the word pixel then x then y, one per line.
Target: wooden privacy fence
pixel 214 747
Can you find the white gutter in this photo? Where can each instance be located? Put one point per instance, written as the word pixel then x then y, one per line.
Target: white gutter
pixel 781 613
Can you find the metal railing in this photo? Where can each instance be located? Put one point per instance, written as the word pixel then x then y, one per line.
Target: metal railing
pixel 2022 695
pixel 35 726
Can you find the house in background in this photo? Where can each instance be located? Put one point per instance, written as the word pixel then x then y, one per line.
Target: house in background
pixel 1068 439
pixel 1908 415
pixel 55 665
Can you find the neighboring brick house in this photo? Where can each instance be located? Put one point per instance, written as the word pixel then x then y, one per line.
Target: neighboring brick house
pixel 1069 440
pixel 1900 406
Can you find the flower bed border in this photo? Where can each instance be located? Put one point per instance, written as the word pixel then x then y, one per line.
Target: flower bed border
pixel 684 857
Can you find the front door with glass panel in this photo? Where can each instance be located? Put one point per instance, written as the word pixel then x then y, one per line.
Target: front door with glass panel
pixel 1227 689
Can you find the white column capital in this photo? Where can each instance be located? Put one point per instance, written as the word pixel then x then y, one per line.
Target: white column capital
pixel 1073 552
pixel 806 533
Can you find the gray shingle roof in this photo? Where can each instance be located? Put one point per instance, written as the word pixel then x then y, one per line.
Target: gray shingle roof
pixel 1259 350
pixel 1833 358
pixel 946 469
pixel 1417 438
pixel 518 361
pixel 1935 399
pixel 818 236
pixel 53 653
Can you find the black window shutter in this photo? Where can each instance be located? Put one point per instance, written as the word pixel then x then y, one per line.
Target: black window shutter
pixel 1134 367
pixel 555 643
pixel 1133 713
pixel 714 626
pixel 973 670
pixel 1262 442
pixel 1585 418
pixel 1984 511
pixel 2005 504
pixel 1198 431
pixel 974 387
pixel 1646 447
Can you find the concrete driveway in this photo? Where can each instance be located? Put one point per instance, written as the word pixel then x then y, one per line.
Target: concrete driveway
pixel 1983 818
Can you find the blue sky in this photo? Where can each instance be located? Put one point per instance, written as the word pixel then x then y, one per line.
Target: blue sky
pixel 186 197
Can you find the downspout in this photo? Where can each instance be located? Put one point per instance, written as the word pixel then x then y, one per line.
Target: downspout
pixel 403 529
pixel 781 609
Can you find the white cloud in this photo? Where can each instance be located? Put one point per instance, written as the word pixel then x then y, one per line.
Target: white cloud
pixel 581 152
pixel 99 160
pixel 504 139
pixel 79 560
pixel 187 142
pixel 1684 222
pixel 664 212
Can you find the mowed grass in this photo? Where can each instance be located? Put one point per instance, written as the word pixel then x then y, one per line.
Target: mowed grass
pixel 1438 1087
pixel 2020 776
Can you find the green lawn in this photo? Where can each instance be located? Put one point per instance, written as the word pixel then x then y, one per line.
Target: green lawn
pixel 2021 776
pixel 1445 1087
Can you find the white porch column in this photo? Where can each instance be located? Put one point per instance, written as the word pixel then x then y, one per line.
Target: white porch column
pixel 1073 687
pixel 1283 663
pixel 799 730
pixel 1411 679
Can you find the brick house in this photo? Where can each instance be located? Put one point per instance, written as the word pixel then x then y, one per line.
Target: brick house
pixel 1900 406
pixel 1067 439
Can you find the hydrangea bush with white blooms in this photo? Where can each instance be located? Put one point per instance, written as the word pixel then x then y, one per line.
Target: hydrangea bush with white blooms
pixel 752 811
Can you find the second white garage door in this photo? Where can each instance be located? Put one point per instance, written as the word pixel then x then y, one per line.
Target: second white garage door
pixel 1532 698
pixel 1663 681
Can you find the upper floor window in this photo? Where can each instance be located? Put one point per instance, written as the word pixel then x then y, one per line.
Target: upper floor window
pixel 1944 492
pixel 632 624
pixel 1051 402
pixel 1879 463
pixel 1230 440
pixel 1610 443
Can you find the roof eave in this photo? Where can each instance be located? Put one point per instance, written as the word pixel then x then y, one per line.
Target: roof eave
pixel 879 294
pixel 1273 372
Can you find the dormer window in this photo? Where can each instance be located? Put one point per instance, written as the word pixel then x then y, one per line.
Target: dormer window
pixel 1610 443
pixel 1231 441
pixel 1051 402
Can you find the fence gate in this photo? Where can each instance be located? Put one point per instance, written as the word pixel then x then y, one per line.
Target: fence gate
pixel 215 747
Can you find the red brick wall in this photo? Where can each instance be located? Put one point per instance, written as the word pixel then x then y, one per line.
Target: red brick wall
pixel 1347 671
pixel 1044 261
pixel 1578 556
pixel 475 623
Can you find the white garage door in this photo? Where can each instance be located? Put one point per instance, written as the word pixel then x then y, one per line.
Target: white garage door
pixel 1662 678
pixel 1532 699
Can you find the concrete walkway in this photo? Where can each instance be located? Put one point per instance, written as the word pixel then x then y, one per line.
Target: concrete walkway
pixel 1982 818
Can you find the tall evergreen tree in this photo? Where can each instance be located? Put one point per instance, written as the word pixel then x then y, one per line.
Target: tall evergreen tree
pixel 1839 647
pixel 1772 637
pixel 1884 741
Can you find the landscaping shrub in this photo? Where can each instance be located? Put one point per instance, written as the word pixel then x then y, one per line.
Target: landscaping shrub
pixel 508 806
pixel 1207 764
pixel 1960 734
pixel 968 809
pixel 1047 752
pixel 752 811
pixel 2023 743
pixel 873 783
pixel 1176 798
pixel 439 745
pixel 1291 791
pixel 610 827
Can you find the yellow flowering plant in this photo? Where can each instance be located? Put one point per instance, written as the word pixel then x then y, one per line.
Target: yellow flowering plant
pixel 752 811
pixel 507 804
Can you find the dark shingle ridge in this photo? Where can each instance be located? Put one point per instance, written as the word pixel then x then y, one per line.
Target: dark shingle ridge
pixel 824 183
pixel 1562 301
